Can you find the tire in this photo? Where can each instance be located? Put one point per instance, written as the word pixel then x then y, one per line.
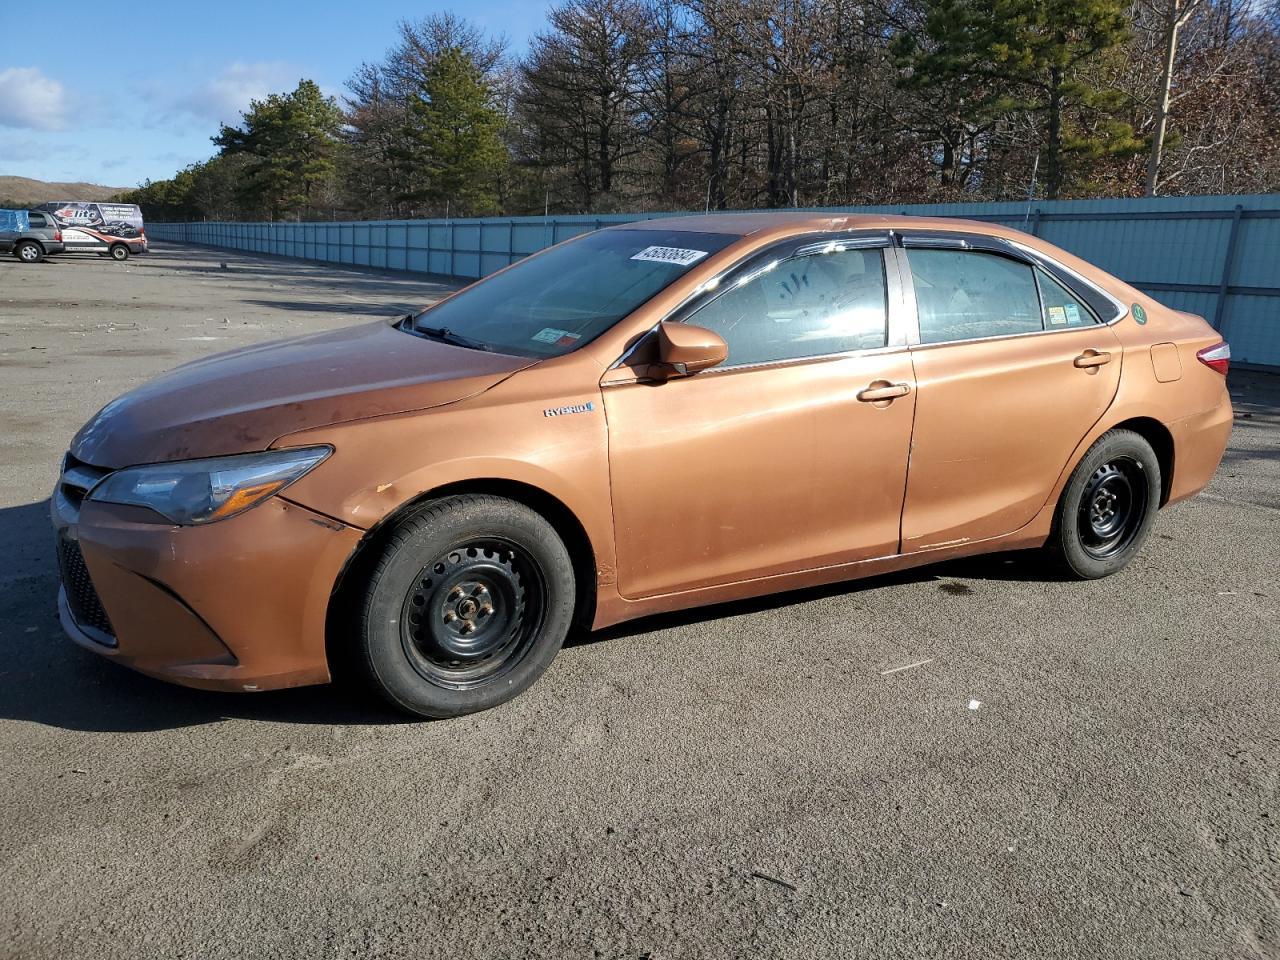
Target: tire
pixel 466 606
pixel 28 251
pixel 119 252
pixel 1107 507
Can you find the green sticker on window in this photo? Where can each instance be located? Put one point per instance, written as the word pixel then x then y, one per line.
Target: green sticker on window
pixel 1139 314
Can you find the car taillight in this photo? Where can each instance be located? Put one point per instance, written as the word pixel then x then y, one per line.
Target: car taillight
pixel 57 236
pixel 1218 356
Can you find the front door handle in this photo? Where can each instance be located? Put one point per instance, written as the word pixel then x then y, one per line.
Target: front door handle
pixel 880 390
pixel 1092 358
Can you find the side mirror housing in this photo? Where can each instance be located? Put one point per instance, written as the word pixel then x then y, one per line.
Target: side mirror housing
pixel 685 349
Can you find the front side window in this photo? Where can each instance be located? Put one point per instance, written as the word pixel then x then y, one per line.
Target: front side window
pixel 562 299
pixel 967 295
pixel 806 306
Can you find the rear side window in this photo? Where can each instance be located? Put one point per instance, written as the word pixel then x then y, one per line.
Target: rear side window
pixel 37 221
pixel 967 295
pixel 1061 307
pixel 812 305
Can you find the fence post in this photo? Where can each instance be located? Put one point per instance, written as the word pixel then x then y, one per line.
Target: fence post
pixel 1035 223
pixel 1227 262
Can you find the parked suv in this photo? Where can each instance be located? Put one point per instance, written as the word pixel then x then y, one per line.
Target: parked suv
pixel 29 235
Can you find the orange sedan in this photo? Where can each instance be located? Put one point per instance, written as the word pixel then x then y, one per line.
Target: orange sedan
pixel 654 416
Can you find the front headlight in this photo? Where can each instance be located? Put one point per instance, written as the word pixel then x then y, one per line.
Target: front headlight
pixel 201 491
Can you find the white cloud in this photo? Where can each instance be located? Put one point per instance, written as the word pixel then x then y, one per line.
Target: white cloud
pixel 223 97
pixel 32 101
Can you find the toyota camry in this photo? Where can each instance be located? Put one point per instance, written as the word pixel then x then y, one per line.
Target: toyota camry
pixel 654 416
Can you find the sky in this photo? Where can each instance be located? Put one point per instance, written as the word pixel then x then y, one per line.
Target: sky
pixel 118 93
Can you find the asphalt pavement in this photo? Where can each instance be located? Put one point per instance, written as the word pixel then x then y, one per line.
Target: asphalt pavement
pixel 971 760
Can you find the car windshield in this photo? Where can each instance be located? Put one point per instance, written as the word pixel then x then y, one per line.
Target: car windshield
pixel 556 302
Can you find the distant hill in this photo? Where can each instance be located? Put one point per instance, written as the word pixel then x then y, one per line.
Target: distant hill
pixel 21 191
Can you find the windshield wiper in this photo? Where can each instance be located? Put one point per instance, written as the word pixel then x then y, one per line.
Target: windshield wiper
pixel 445 335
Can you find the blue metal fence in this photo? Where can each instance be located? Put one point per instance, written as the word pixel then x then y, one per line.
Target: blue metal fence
pixel 1215 256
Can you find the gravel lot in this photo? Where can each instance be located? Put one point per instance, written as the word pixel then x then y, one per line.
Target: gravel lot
pixel 752 780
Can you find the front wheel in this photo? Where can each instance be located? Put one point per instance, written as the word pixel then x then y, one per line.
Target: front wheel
pixel 119 252
pixel 1108 506
pixel 467 605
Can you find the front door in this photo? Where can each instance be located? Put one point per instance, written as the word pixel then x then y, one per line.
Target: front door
pixel 1012 371
pixel 772 462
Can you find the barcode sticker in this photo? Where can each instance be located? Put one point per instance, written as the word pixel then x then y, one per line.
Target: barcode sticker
pixel 674 255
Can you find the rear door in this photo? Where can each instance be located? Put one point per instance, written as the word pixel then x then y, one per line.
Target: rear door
pixel 1013 367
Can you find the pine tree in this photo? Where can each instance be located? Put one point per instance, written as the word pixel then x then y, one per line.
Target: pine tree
pixel 292 140
pixel 456 137
pixel 1028 55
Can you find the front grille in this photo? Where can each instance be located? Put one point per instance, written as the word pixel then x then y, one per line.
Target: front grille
pixel 82 598
pixel 77 479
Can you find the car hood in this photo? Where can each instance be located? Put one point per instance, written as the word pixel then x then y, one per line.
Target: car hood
pixel 240 402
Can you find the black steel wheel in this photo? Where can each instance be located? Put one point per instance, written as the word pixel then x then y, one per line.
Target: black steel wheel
pixel 1108 505
pixel 1112 507
pixel 468 601
pixel 472 613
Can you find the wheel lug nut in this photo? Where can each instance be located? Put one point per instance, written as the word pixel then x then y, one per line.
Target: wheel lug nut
pixel 450 616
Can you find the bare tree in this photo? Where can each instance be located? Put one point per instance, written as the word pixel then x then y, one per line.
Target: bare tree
pixel 579 94
pixel 1175 15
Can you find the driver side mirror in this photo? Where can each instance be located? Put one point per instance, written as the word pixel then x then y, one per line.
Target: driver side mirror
pixel 685 349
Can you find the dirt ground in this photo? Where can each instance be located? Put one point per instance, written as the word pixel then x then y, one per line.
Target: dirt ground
pixel 752 780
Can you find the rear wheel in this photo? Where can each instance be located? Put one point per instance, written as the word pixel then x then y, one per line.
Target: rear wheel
pixel 466 606
pixel 119 251
pixel 1108 506
pixel 28 251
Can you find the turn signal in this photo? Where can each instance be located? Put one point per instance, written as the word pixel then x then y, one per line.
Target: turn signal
pixel 1217 357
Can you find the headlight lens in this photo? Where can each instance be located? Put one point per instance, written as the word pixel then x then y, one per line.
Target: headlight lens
pixel 202 491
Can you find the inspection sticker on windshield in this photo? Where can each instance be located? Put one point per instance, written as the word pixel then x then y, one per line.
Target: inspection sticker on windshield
pixel 676 255
pixel 550 335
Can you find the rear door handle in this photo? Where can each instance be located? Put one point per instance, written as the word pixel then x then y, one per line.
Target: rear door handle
pixel 883 391
pixel 1092 359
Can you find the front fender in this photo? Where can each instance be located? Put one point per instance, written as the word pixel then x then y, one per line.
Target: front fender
pixel 380 465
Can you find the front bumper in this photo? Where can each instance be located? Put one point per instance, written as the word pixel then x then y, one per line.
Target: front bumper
pixel 240 604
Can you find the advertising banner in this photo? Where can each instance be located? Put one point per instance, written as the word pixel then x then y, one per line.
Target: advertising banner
pixel 90 224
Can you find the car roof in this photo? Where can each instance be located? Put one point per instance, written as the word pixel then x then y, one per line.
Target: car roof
pixel 766 226
pixel 786 222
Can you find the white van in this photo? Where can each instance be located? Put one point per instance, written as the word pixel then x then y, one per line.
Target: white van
pixel 108 229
